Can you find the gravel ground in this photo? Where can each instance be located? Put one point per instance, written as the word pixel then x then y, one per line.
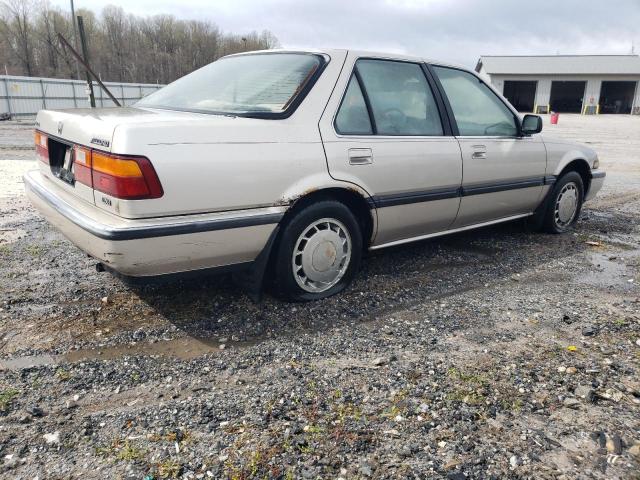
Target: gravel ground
pixel 499 353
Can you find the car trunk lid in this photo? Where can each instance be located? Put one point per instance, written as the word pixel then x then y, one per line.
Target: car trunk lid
pixel 67 140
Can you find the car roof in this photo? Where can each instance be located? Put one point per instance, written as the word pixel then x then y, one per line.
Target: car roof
pixel 360 53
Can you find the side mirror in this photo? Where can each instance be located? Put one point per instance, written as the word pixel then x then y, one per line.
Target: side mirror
pixel 531 124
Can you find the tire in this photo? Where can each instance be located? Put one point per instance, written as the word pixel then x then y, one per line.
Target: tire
pixel 564 204
pixel 318 252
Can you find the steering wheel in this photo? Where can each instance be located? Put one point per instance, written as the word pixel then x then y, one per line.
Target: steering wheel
pixel 395 116
pixel 494 125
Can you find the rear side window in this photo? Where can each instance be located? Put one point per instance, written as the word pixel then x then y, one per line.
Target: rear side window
pixel 400 101
pixel 353 118
pixel 400 97
pixel 477 110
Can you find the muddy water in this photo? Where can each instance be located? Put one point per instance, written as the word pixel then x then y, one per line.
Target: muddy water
pixel 610 271
pixel 185 348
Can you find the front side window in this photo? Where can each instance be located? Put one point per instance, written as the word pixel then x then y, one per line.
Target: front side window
pixel 249 85
pixel 477 110
pixel 400 97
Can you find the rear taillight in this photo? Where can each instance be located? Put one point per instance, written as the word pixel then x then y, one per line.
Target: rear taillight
pixel 121 176
pixel 126 177
pixel 42 149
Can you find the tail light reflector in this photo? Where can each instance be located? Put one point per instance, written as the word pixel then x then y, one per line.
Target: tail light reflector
pixel 42 149
pixel 82 165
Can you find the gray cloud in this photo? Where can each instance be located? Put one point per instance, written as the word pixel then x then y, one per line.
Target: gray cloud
pixel 456 31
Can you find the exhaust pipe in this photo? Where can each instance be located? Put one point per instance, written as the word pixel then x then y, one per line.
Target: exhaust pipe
pixel 100 267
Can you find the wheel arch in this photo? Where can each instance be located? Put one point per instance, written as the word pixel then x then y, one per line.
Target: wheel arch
pixel 350 196
pixel 581 166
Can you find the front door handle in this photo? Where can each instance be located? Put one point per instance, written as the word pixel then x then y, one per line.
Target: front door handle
pixel 479 155
pixel 360 156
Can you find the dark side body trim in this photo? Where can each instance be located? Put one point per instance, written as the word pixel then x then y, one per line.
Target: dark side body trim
pixel 405 198
pixel 180 227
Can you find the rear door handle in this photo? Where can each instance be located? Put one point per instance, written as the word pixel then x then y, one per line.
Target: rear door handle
pixel 360 156
pixel 479 151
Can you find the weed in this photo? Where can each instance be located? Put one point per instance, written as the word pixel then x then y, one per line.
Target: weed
pixel 129 453
pixel 62 374
pixel 35 250
pixel 6 397
pixel 169 469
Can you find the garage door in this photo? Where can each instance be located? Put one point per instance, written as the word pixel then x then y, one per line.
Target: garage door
pixel 617 97
pixel 567 96
pixel 521 94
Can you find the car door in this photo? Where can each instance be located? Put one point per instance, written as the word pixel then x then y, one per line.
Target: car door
pixel 504 172
pixel 383 131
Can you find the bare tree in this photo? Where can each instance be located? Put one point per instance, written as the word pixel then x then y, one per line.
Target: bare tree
pixel 16 29
pixel 123 47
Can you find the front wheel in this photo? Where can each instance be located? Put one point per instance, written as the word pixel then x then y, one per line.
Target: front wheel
pixel 318 253
pixel 565 203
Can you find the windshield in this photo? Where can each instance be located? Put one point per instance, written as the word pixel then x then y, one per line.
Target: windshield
pixel 251 85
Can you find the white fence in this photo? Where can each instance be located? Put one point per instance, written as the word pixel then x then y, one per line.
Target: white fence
pixel 24 96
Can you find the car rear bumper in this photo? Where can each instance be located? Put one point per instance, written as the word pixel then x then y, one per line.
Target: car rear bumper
pixel 597 180
pixel 155 246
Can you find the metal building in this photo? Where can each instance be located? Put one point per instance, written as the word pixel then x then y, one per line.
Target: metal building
pixel 587 84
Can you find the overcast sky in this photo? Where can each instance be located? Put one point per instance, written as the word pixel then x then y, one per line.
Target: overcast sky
pixel 458 31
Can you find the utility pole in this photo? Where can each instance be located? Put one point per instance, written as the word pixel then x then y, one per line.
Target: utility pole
pixel 75 36
pixel 85 54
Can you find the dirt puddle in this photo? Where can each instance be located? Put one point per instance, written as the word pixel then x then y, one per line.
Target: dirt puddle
pixel 611 271
pixel 180 348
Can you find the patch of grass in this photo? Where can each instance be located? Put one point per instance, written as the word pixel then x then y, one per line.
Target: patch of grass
pixel 62 374
pixel 105 451
pixel 256 466
pixel 458 374
pixel 121 451
pixel 392 412
pixel 5 250
pixel 6 397
pixel 169 469
pixel 129 452
pixel 35 250
pixel 465 396
pixel 469 389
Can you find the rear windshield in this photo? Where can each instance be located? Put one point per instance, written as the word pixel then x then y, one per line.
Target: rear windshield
pixel 260 85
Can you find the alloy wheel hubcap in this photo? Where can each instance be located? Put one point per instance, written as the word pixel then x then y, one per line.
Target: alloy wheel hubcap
pixel 321 255
pixel 566 205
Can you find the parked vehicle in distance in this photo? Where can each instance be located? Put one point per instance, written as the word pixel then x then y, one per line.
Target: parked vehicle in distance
pixel 296 162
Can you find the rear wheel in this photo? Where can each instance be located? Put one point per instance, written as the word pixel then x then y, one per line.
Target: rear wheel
pixel 565 203
pixel 318 253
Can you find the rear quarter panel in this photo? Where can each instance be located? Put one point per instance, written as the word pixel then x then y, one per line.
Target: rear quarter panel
pixel 217 163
